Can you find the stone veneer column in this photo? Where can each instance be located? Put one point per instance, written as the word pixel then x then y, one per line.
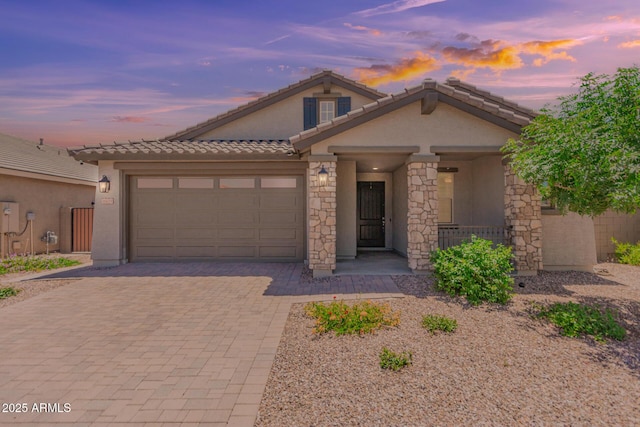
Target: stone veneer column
pixel 322 219
pixel 523 216
pixel 422 214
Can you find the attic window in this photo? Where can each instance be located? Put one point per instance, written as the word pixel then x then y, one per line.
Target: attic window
pixel 327 111
pixel 324 109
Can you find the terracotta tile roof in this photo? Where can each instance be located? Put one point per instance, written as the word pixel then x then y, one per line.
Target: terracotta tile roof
pixel 463 93
pixel 183 149
pixel 27 156
pixel 236 113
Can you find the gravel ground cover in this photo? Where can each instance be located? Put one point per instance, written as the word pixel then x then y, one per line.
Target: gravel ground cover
pixel 501 366
pixel 30 288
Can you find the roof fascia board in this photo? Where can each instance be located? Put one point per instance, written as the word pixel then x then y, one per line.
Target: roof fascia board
pixel 181 156
pixel 446 149
pixel 45 177
pixel 196 167
pixel 387 149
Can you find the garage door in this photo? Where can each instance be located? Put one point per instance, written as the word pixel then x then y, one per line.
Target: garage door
pixel 217 218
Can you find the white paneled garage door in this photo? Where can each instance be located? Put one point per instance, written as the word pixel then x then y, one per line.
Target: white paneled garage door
pixel 257 218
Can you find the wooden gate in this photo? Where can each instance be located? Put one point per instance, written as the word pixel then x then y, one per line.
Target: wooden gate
pixel 81 229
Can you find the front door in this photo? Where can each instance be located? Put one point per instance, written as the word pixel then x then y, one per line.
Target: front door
pixel 371 214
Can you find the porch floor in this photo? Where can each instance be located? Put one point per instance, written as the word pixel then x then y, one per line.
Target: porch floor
pixel 373 263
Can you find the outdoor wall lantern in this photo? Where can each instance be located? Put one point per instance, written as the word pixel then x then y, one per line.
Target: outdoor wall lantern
pixel 104 185
pixel 323 176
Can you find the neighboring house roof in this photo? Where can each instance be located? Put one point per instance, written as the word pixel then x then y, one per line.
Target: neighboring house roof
pixel 31 159
pixel 325 77
pixel 186 150
pixel 465 97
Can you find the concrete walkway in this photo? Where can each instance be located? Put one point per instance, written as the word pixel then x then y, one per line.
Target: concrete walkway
pixel 155 343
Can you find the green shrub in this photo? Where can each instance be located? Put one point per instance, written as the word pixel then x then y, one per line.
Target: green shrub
pixel 575 319
pixel 476 270
pixel 360 318
pixel 16 264
pixel 627 253
pixel 394 361
pixel 434 323
pixel 8 292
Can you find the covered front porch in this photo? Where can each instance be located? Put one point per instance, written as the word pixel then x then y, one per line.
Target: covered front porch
pixel 411 204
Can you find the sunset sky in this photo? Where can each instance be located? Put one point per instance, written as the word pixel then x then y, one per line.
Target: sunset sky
pixel 88 72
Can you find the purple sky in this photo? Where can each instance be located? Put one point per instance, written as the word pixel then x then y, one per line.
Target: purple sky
pixel 93 72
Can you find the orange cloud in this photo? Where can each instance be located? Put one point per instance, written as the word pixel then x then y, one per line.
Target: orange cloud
pixel 629 45
pixel 462 74
pixel 405 69
pixel 488 54
pixel 548 50
pixel 371 31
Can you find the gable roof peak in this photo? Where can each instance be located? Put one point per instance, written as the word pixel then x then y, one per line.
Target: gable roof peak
pixel 273 97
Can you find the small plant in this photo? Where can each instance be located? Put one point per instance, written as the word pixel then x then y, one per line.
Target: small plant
pixel 627 253
pixel 360 318
pixel 476 270
pixel 17 264
pixel 394 361
pixel 574 319
pixel 8 292
pixel 434 323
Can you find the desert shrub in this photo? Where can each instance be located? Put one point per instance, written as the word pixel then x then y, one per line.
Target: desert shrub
pixel 360 318
pixel 434 323
pixel 8 292
pixel 574 319
pixel 627 253
pixel 17 264
pixel 476 270
pixel 394 361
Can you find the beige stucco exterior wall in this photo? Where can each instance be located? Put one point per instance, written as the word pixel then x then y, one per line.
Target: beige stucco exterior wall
pixel 108 220
pixel 399 212
pixel 568 242
pixel 407 126
pixel 346 239
pixel 44 198
pixel 624 227
pixel 280 120
pixel 488 191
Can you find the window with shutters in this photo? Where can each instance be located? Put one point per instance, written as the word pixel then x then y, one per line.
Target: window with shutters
pixel 321 110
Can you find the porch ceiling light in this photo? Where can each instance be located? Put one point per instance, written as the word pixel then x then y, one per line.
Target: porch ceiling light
pixel 323 176
pixel 104 185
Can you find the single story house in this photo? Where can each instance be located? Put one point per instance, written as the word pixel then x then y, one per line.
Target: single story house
pixel 44 193
pixel 325 167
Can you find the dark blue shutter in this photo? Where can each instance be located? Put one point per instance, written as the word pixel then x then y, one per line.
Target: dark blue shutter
pixel 310 112
pixel 344 105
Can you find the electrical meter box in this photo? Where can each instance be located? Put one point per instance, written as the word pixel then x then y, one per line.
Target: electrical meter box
pixel 9 217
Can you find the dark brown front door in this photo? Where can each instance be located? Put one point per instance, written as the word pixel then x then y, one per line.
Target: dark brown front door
pixel 371 214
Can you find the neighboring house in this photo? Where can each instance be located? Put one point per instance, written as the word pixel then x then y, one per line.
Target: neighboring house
pixel 39 186
pixel 325 167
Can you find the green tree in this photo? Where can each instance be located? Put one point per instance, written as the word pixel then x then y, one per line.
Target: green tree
pixel 584 154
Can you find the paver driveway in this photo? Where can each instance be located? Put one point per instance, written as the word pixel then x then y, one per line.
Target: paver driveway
pixel 150 343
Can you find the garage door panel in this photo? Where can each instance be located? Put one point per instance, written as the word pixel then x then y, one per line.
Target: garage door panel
pixel 279 218
pixel 195 233
pixel 279 201
pixel 196 251
pixel 166 252
pixel 238 202
pixel 278 233
pixel 236 251
pixel 238 233
pixel 154 233
pixel 198 219
pixel 237 218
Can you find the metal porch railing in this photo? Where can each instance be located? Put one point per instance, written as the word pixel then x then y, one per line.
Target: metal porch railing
pixel 451 235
